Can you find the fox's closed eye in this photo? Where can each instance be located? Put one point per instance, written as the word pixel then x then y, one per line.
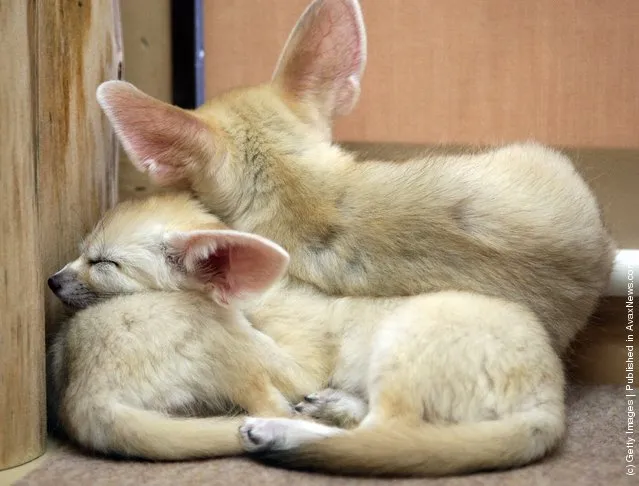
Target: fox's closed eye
pixel 103 262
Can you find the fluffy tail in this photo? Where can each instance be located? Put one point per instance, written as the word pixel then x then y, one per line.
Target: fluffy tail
pixel 428 450
pixel 156 436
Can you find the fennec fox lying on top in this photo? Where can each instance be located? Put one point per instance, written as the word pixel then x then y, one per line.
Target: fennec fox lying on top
pixel 517 222
pixel 442 383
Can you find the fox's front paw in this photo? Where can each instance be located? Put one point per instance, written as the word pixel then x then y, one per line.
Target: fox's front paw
pixel 259 434
pixel 334 407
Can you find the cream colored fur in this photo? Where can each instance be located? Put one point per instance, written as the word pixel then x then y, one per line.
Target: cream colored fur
pixel 516 223
pixel 132 374
pixel 447 382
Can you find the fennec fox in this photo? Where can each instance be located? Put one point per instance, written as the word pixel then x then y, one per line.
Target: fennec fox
pixel 165 343
pixel 516 222
pixel 442 383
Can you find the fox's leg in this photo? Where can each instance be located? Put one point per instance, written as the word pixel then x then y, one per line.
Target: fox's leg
pixel 334 407
pixel 260 398
pixel 393 398
pixel 388 404
pixel 280 434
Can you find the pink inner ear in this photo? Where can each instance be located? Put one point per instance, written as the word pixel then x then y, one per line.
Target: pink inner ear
pixel 237 270
pixel 252 269
pixel 325 55
pixel 215 270
pixel 160 139
pixel 231 263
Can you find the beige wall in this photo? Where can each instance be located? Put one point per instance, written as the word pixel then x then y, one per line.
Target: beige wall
pixel 462 71
pixel 146 30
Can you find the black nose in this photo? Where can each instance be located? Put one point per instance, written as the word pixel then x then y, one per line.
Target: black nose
pixel 54 283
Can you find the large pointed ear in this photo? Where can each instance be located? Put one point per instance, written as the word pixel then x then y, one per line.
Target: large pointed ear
pixel 230 264
pixel 160 139
pixel 324 57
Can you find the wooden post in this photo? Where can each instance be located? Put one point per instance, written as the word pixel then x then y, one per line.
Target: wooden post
pixel 58 174
pixel 21 294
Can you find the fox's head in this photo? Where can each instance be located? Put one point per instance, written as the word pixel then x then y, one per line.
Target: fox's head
pixel 167 243
pixel 235 144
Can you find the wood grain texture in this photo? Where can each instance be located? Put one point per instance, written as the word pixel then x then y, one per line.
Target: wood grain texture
pixel 462 71
pixel 22 433
pixel 58 174
pixel 79 46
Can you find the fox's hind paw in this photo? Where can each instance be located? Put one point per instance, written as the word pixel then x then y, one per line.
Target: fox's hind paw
pixel 333 407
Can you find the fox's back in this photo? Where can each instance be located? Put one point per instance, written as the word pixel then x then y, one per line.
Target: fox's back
pixel 517 223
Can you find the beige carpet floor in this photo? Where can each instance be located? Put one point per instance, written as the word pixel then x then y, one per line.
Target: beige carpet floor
pixel 593 454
